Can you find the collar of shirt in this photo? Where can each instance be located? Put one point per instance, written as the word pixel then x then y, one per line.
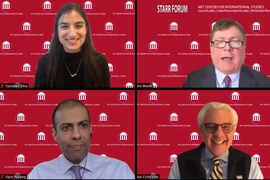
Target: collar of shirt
pixel 206 155
pixel 220 77
pixel 66 164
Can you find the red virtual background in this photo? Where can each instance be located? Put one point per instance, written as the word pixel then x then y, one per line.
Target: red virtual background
pixel 172 59
pixel 22 44
pixel 24 117
pixel 171 117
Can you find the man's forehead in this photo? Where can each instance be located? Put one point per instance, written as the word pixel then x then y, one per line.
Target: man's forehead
pixel 73 122
pixel 222 112
pixel 74 109
pixel 218 117
pixel 231 31
pixel 72 115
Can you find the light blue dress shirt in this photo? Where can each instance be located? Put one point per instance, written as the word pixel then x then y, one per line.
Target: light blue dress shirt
pixel 254 173
pixel 96 167
pixel 220 79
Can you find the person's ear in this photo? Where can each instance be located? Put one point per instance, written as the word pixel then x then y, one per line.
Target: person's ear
pixel 91 132
pixel 201 133
pixel 54 134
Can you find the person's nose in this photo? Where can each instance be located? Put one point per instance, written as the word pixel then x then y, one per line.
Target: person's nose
pixel 219 132
pixel 227 47
pixel 72 31
pixel 76 133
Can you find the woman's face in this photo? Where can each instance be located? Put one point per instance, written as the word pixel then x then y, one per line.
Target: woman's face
pixel 72 31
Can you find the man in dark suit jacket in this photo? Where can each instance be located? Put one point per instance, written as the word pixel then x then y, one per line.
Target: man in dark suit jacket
pixel 228 52
pixel 206 78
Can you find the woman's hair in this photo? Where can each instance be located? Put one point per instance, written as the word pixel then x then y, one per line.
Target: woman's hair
pixel 89 54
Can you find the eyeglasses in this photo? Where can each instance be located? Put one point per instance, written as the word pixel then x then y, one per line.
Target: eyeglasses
pixel 235 44
pixel 212 127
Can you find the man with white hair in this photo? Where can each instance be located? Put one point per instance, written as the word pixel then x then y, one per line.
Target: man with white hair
pixel 215 158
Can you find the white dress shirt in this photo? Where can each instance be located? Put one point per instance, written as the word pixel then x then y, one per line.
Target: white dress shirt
pixel 96 167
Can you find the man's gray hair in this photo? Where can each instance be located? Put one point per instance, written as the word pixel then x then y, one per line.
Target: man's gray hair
pixel 214 106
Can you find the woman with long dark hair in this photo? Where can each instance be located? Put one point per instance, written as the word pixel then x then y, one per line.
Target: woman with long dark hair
pixel 72 61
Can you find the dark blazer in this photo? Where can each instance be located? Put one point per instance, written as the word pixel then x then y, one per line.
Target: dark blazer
pixel 41 74
pixel 206 78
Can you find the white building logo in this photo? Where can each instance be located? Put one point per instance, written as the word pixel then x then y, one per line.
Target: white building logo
pixel 26 27
pixel 41 137
pixel 153 137
pixel 2 97
pixel 154 85
pixel 88 6
pixel 6 6
pixel 194 97
pixel 82 97
pixel 20 159
pixel 41 97
pixel 2 137
pixel 6 46
pixel 129 85
pixel 212 25
pixel 46 46
pixel 111 69
pixel 173 68
pixel 236 137
pixel 129 6
pixel 173 118
pixel 108 27
pixel 153 46
pixel 194 137
pixel 47 6
pixel 257 158
pixel 129 47
pixel 256 67
pixel 123 137
pixel 173 27
pixel 172 158
pixel 153 97
pixel 26 68
pixel 235 97
pixel 103 118
pixel 256 118
pixel 123 97
pixel 194 46
pixel 256 27
pixel 20 118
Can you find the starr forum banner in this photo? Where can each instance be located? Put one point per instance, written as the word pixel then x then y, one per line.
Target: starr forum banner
pixel 174 40
pixel 167 126
pixel 26 126
pixel 30 30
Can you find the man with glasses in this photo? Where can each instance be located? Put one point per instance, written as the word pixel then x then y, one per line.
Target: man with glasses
pixel 228 53
pixel 215 158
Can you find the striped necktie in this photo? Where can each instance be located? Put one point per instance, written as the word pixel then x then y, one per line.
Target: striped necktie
pixel 76 171
pixel 227 81
pixel 217 171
